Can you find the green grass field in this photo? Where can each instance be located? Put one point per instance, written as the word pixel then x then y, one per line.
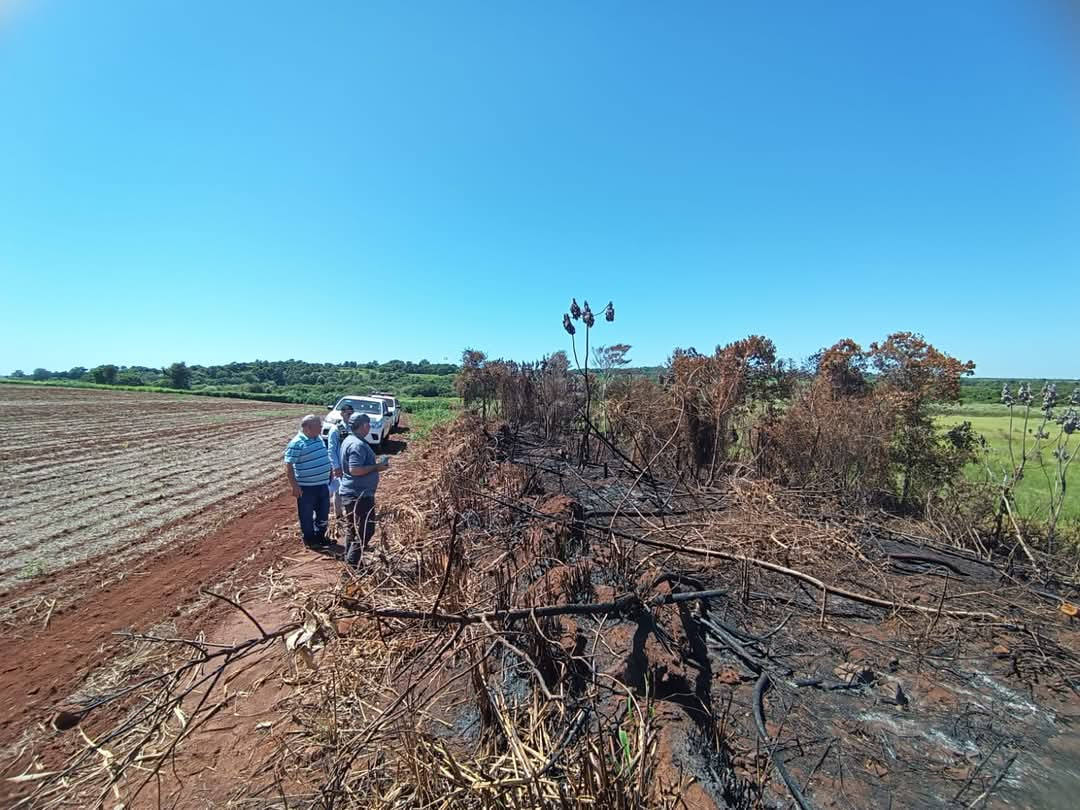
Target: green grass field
pixel 1032 493
pixel 157 389
pixel 424 413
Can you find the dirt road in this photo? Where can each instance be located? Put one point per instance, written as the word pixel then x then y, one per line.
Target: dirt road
pixel 45 665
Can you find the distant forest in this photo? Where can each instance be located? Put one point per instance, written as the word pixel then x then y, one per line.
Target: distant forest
pixel 284 380
pixel 299 381
pixel 988 389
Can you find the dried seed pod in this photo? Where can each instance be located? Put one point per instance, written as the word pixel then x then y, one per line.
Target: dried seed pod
pixel 1071 421
pixel 609 312
pixel 575 310
pixel 567 324
pixel 1049 393
pixel 587 316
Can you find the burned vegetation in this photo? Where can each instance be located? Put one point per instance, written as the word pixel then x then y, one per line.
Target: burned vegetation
pixel 683 596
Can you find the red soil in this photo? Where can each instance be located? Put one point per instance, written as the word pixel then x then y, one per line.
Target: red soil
pixel 43 667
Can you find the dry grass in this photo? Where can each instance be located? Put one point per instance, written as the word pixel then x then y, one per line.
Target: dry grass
pixel 536 633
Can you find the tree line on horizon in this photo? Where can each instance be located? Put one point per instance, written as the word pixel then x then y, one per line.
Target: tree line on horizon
pixel 300 381
pixel 295 380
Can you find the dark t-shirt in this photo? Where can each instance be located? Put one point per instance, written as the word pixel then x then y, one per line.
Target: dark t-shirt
pixel 355 452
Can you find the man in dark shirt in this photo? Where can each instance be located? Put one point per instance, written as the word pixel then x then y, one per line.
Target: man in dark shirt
pixel 359 480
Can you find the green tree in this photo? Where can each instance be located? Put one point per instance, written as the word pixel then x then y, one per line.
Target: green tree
pixel 179 375
pixel 105 375
pixel 18 374
pixel 915 374
pixel 608 361
pixel 41 374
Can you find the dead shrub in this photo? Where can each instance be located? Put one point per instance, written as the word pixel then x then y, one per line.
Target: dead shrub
pixel 838 444
pixel 690 421
pixel 836 434
pixel 544 393
pixel 640 418
pixel 558 392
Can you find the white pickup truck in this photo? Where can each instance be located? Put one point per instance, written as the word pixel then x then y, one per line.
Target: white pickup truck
pixel 392 405
pixel 381 419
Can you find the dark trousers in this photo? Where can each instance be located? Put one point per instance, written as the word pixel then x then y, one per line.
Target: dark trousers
pixel 359 525
pixel 313 507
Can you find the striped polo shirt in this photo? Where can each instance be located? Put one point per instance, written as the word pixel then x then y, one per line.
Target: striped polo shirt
pixel 310 463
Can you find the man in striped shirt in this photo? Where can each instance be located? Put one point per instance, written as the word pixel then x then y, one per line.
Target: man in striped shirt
pixel 308 469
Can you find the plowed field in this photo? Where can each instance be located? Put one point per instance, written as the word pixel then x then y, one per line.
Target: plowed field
pixel 93 478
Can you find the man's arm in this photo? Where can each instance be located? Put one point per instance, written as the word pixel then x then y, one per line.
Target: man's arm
pixel 333 450
pixel 291 475
pixel 368 468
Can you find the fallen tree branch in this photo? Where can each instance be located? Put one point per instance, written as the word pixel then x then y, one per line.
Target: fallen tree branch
pixel 762 686
pixel 236 605
pixel 831 590
pixel 780 569
pixel 627 605
pixel 449 564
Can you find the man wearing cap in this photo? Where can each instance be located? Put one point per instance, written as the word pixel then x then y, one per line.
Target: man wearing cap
pixel 338 433
pixel 359 479
pixel 308 470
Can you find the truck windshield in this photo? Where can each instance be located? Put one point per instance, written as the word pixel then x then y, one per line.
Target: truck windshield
pixel 361 405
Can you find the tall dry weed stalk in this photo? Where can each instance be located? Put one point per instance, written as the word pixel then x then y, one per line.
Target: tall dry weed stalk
pixel 585 315
pixel 1053 436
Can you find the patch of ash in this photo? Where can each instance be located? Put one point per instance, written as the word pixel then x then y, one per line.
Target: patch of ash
pixel 464 726
pixel 1011 699
pixel 911 728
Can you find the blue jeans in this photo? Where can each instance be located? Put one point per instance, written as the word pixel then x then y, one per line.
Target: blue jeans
pixel 359 525
pixel 313 507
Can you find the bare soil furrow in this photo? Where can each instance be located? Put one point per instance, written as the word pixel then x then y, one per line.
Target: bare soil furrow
pixel 37 454
pixel 107 481
pixel 94 526
pixel 133 471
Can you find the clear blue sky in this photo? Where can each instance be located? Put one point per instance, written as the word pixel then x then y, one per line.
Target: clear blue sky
pixel 217 181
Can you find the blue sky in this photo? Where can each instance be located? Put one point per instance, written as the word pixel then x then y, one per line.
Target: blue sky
pixel 210 182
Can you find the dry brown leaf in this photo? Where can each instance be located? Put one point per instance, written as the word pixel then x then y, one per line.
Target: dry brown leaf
pixel 876 768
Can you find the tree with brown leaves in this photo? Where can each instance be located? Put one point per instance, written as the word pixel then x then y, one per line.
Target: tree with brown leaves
pixel 915 374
